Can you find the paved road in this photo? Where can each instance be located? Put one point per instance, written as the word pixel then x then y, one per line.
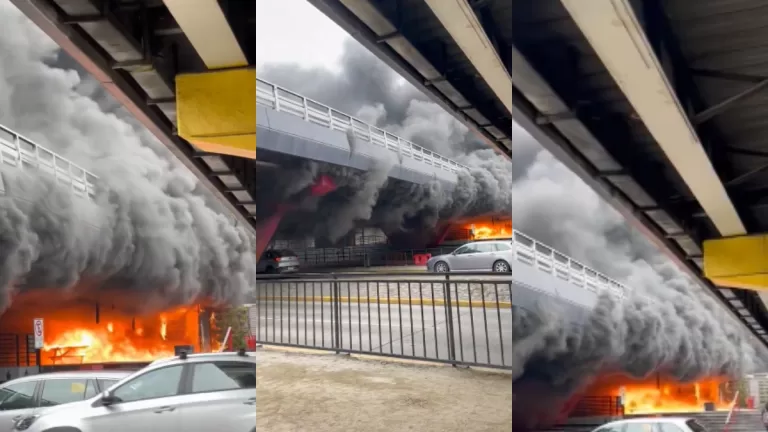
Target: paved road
pixel 390 328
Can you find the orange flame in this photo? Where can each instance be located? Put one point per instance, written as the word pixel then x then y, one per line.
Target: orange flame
pixel 485 231
pixel 659 395
pixel 672 398
pixel 120 339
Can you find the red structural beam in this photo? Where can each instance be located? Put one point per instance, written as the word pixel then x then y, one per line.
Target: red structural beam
pixel 266 230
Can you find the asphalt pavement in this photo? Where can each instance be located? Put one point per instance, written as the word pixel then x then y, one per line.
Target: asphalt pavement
pixel 482 336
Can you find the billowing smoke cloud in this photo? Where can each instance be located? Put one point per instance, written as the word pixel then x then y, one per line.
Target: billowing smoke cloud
pixel 152 227
pixel 669 324
pixel 368 89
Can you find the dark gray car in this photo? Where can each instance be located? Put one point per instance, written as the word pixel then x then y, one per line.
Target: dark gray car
pixel 278 261
pixel 495 255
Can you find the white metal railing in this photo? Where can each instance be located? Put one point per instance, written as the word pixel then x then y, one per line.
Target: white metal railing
pixel 283 100
pixel 544 258
pixel 20 152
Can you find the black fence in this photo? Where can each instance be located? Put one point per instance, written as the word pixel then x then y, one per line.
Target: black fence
pixel 363 256
pixel 598 406
pixel 17 350
pixel 461 320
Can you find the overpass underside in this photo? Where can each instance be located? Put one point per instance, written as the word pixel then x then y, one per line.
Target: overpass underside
pixel 664 117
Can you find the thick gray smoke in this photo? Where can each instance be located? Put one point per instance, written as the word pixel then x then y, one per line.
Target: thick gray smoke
pixel 151 229
pixel 668 325
pixel 368 89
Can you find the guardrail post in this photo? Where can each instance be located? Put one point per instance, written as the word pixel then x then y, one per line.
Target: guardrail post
pixel 336 316
pixel 449 320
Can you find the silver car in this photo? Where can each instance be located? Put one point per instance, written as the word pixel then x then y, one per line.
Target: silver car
pixel 25 396
pixel 190 393
pixel 493 255
pixel 278 261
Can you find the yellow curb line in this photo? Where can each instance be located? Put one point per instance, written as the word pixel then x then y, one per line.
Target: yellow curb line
pixel 489 304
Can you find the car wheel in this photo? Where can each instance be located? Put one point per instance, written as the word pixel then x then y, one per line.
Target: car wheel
pixel 441 267
pixel 501 267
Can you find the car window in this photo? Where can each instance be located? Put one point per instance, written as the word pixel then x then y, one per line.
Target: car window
pixel 502 246
pixel 61 391
pixel 217 376
pixel 461 250
pixel 91 390
pixel 106 383
pixel 18 396
pixel 695 426
pixel 158 383
pixel 285 253
pixel 485 247
pixel 670 427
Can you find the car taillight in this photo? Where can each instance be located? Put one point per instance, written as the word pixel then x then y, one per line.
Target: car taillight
pixel 277 259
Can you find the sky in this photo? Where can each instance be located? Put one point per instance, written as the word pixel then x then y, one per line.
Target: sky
pixel 294 31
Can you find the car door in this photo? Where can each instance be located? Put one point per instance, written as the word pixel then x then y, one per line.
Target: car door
pixel 221 396
pixel 146 403
pixel 461 260
pixel 483 259
pixel 16 400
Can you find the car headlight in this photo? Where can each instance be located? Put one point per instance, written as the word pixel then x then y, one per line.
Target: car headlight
pixel 25 423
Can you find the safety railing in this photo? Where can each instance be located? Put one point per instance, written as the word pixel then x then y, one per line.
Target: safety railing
pixel 283 100
pixel 544 258
pixel 460 320
pixel 17 151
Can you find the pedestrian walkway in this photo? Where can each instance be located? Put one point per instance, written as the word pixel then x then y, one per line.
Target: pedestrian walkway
pixel 302 392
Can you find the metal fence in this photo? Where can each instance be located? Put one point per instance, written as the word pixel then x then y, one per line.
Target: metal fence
pixel 17 350
pixel 460 320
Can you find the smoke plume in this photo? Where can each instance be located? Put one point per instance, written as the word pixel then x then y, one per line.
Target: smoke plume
pixel 152 227
pixel 369 90
pixel 668 324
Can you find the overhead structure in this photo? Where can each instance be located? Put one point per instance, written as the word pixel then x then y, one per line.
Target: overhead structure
pixel 456 53
pixel 183 68
pixel 657 106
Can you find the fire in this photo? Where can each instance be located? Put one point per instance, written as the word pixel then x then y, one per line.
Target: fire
pixel 120 339
pixel 661 395
pixel 672 398
pixel 491 230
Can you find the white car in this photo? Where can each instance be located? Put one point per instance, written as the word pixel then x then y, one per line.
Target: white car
pixel 653 424
pixel 24 396
pixel 190 393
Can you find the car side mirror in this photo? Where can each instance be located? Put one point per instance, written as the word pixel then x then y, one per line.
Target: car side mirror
pixel 107 398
